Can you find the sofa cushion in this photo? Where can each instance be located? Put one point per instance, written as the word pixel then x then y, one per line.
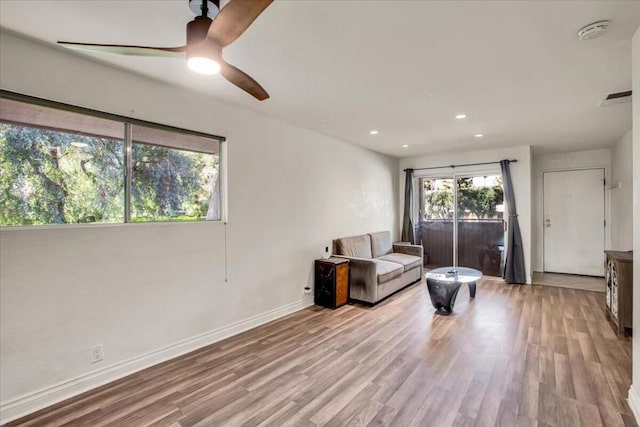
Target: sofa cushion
pixel 381 243
pixel 386 270
pixel 408 261
pixel 357 246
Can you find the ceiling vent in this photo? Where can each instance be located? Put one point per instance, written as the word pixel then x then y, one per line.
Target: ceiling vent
pixel 616 98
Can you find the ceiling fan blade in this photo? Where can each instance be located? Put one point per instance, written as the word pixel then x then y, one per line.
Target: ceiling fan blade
pixel 243 81
pixel 165 52
pixel 234 19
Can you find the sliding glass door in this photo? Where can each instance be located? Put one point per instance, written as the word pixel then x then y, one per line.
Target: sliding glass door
pixel 462 222
pixel 436 221
pixel 480 223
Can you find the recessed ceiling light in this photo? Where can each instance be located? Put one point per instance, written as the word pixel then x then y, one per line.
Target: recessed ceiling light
pixel 373 132
pixel 478 135
pixel 405 145
pixel 461 116
pixel 79 144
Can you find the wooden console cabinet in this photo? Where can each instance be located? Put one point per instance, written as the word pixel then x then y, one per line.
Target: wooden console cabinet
pixel 619 291
pixel 331 282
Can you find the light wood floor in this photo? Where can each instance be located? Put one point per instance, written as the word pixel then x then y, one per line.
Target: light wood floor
pixel 516 355
pixel 586 283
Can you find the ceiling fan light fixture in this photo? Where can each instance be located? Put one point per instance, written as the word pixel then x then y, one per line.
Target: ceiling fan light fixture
pixel 204 57
pixel 203 65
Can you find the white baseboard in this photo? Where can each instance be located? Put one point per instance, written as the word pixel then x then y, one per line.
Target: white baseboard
pixel 634 402
pixel 28 403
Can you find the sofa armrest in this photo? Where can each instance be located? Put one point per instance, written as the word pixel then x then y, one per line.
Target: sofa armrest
pixel 363 278
pixel 408 249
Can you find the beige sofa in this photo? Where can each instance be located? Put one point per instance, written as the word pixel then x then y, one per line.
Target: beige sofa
pixel 377 266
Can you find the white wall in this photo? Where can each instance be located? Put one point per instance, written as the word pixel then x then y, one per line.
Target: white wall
pixel 621 197
pixel 148 292
pixel 634 392
pixel 520 174
pixel 562 161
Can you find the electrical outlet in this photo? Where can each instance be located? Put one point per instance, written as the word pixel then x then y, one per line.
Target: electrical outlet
pixel 307 289
pixel 96 353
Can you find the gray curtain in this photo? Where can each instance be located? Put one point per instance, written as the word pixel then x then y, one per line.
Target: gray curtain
pixel 514 271
pixel 408 234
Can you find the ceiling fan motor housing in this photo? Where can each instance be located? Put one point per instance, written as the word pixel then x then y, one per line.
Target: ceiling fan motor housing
pixel 197 29
pixel 206 48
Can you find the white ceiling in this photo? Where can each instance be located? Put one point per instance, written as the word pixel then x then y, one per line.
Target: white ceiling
pixel 405 68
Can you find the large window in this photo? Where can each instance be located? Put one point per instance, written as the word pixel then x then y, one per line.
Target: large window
pixel 170 182
pixel 461 221
pixel 63 167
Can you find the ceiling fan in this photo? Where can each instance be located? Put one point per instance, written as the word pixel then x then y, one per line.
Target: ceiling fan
pixel 207 35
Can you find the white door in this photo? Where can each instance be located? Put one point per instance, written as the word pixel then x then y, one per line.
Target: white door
pixel 574 222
